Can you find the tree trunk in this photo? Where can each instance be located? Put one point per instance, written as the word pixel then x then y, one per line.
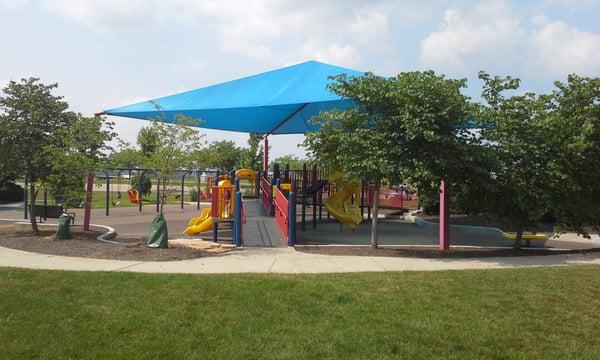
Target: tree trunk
pixel 374 218
pixel 88 201
pixel 518 239
pixel 33 193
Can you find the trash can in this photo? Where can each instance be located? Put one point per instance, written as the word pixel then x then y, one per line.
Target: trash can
pixel 64 228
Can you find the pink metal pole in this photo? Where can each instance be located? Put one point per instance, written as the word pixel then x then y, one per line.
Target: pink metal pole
pixel 444 217
pixel 88 202
pixel 266 153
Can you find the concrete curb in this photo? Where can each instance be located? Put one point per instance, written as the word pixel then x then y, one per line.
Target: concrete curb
pixel 109 234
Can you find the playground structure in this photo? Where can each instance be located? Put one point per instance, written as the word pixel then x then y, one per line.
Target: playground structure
pixel 223 205
pixel 226 206
pixel 281 101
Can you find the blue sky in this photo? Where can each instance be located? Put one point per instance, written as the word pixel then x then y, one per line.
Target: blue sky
pixel 107 53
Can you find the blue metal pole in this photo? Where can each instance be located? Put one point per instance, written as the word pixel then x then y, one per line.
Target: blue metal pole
pixel 107 193
pixel 237 220
pixel 292 217
pixel 182 188
pixel 304 188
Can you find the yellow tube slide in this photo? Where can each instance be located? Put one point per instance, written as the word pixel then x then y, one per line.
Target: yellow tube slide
pixel 199 224
pixel 340 205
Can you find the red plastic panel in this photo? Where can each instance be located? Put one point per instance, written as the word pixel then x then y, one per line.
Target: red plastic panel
pixel 281 213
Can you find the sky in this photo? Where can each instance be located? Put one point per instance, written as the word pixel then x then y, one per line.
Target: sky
pixel 108 53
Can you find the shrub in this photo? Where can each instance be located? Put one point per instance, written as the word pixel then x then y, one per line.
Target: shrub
pixel 193 195
pixel 11 192
pixel 146 186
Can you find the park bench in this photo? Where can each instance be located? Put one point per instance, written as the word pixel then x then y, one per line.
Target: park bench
pixel 53 212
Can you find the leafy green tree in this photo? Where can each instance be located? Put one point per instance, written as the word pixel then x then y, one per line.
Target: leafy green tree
pixel 294 162
pixel 404 127
pixel 519 141
pixel 220 154
pixel 252 155
pixel 176 143
pixel 147 140
pixel 145 188
pixel 125 157
pixel 31 119
pixel 85 145
pixel 573 131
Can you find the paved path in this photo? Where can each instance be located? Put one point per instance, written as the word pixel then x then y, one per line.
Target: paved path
pixel 260 229
pixel 283 260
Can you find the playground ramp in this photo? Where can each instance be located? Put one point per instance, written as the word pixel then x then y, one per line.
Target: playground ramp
pixel 260 229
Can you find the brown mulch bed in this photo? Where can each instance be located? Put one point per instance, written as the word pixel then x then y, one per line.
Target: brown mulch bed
pixel 84 244
pixel 427 252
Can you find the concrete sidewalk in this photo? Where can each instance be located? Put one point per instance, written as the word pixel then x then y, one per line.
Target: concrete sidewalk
pixel 284 261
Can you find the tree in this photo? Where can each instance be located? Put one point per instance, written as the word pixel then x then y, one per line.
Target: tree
pixel 252 156
pixel 410 126
pixel 125 157
pixel 147 140
pixel 516 133
pixel 176 143
pixel 221 155
pixel 31 119
pixel 573 130
pixel 85 145
pixel 294 162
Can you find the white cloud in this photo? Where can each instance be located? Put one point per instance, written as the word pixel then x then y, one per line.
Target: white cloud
pixel 368 24
pixel 272 31
pixel 8 5
pixel 561 49
pixel 485 36
pixel 334 53
pixel 493 37
pixel 109 16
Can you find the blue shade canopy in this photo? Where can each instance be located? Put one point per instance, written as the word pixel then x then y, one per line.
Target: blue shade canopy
pixel 280 101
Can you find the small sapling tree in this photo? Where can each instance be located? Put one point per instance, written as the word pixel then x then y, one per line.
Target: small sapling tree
pixel 175 145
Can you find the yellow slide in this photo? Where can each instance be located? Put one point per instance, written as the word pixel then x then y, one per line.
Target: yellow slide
pixel 340 205
pixel 526 236
pixel 199 224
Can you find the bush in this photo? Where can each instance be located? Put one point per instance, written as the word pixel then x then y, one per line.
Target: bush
pixel 11 192
pixel 193 195
pixel 146 187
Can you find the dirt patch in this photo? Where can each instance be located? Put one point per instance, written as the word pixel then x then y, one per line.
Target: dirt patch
pixel 427 252
pixel 84 244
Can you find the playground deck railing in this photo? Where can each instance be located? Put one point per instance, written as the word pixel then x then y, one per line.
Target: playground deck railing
pixel 266 195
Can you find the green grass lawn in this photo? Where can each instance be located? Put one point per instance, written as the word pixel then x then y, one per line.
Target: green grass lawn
pixel 544 313
pixel 99 200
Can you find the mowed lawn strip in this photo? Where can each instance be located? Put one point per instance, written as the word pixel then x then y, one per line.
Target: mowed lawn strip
pixel 521 313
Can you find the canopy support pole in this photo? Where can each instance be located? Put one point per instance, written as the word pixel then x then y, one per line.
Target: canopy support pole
pixel 444 226
pixel 266 154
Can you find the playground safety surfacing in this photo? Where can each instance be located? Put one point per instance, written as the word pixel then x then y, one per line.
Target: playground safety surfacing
pixel 395 233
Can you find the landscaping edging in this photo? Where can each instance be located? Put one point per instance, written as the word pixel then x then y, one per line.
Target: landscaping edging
pixel 109 234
